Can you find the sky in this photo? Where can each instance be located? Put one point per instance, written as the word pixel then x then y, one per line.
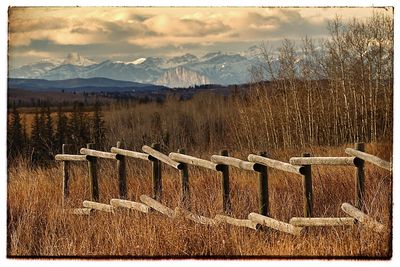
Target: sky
pixel 128 33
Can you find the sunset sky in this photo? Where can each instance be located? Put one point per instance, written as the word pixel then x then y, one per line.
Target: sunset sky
pixel 130 33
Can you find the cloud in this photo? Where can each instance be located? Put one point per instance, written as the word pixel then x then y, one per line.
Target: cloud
pixel 110 31
pixel 85 30
pixel 185 27
pixel 20 25
pixel 275 23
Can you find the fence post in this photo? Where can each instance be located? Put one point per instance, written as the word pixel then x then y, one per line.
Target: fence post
pixel 121 166
pixel 359 180
pixel 65 169
pixel 226 201
pixel 263 197
pixel 307 189
pixel 157 182
pixel 185 197
pixel 92 171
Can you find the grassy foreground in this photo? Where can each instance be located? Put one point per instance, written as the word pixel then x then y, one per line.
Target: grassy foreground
pixel 36 226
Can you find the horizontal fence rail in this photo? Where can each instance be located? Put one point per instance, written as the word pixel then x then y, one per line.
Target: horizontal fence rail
pixel 195 161
pixel 350 161
pixel 98 154
pixel 194 217
pixel 131 154
pixel 122 203
pixel 237 222
pixel 276 164
pixel 69 157
pixel 238 163
pixel 370 158
pixel 154 204
pixel 164 158
pixel 275 224
pixel 98 206
pixel 300 221
pixel 362 217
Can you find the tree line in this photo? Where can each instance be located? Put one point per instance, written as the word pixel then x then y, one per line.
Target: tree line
pixel 330 91
pixel 48 133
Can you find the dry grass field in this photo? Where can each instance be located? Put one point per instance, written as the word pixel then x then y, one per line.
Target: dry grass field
pixel 37 226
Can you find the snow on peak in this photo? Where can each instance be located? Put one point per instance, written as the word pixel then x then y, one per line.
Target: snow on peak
pixel 135 62
pixel 54 61
pixel 77 60
pixel 138 61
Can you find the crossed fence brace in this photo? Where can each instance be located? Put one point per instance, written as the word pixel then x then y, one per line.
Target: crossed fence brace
pixel 221 163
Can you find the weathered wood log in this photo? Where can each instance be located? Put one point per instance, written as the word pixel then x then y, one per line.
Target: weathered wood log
pixel 98 154
pixel 274 224
pixel 276 164
pixel 98 206
pixel 263 194
pixel 78 211
pixel 359 180
pixel 350 161
pixel 194 217
pixel 70 157
pixel 157 206
pixel 225 188
pixel 370 158
pixel 121 167
pixel 301 221
pixel 160 156
pixel 185 192
pixel 238 163
pixel 92 175
pixel 307 189
pixel 156 174
pixel 195 161
pixel 362 217
pixel 131 154
pixel 130 205
pixel 238 222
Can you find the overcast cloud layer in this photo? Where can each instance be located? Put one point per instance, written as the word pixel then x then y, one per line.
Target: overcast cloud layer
pixel 129 33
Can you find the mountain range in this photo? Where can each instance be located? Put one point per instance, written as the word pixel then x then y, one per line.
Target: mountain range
pixel 180 71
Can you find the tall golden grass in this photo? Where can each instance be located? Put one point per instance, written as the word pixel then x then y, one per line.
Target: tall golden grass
pixel 37 226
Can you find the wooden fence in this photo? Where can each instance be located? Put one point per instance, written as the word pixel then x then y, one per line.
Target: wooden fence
pixel 220 164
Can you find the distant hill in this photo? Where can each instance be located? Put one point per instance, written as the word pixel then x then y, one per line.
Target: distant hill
pixel 82 84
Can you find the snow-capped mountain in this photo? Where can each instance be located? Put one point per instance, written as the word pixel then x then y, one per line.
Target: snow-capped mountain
pixel 77 60
pixel 181 77
pixel 179 60
pixel 179 71
pixel 33 70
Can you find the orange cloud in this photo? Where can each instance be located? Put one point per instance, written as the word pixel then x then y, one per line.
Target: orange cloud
pixel 167 27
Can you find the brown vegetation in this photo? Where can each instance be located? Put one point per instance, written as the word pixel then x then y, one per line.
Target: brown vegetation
pixel 299 111
pixel 37 227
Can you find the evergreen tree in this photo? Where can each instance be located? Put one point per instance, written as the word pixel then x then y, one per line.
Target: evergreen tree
pixel 80 131
pixel 84 126
pixel 98 134
pixel 48 137
pixel 74 125
pixel 62 131
pixel 25 137
pixel 38 153
pixel 15 138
